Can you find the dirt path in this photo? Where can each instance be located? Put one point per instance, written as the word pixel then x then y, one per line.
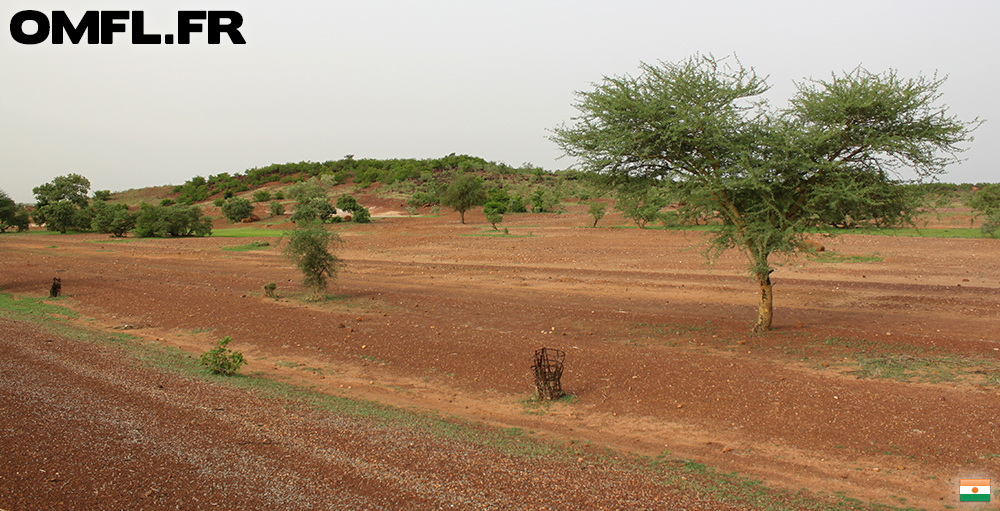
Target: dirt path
pixel 437 316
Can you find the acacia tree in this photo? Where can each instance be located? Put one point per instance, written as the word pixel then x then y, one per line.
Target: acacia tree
pixel 700 128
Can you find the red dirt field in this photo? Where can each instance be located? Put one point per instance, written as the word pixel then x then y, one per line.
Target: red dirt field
pixel 432 314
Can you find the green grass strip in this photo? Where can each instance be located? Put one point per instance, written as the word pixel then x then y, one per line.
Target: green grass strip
pixel 246 232
pixel 256 245
pixel 16 307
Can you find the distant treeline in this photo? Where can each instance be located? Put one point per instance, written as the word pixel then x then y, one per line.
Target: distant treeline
pixel 364 171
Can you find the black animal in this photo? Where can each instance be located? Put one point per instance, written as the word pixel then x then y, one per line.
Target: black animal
pixel 56 287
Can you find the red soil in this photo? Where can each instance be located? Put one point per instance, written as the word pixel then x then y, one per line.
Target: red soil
pixel 430 313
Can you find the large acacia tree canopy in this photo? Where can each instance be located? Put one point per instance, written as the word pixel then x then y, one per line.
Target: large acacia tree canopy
pixel 832 157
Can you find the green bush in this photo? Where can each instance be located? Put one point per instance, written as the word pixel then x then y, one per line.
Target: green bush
pixel 324 210
pixel 991 225
pixel 12 215
pixel 305 190
pixel 176 220
pixel 362 216
pixel 498 195
pixel 516 205
pixel 597 210
pixel 359 213
pixel 309 250
pixel 277 208
pixel 642 205
pixel 237 209
pixel 219 202
pixel 347 203
pixel 61 216
pixel 494 213
pixel 222 360
pixel 113 219
pixel 304 213
pixel 192 191
pixel 261 196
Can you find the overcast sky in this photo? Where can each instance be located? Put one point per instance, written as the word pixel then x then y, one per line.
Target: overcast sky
pixel 318 80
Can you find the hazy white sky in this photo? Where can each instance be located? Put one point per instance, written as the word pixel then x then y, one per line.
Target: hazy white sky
pixel 391 79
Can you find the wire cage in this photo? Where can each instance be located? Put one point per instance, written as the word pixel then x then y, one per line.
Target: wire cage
pixel 548 372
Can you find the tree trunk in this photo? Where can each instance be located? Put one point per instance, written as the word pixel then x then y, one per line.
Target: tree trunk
pixel 765 310
pixel 462 215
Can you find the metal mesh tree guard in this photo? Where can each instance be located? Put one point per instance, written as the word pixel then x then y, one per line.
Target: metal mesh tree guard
pixel 548 371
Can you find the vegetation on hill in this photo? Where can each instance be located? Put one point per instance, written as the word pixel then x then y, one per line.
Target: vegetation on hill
pixel 418 184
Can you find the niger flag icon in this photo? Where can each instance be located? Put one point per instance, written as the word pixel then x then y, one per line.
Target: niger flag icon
pixel 974 490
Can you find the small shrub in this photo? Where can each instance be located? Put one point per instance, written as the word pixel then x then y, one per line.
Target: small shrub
pixel 261 196
pixel 167 202
pixel 277 208
pixel 219 202
pixel 362 216
pixel 269 290
pixel 222 360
